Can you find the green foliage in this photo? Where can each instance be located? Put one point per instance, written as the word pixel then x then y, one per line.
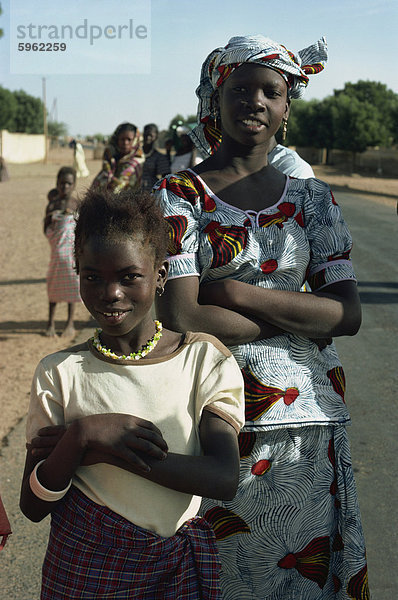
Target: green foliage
pixel 20 112
pixel 360 115
pixel 57 129
pixel 355 124
pixel 29 115
pixel 1 31
pixel 8 109
pixel 179 120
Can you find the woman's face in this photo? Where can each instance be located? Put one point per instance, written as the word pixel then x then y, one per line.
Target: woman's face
pixel 125 142
pixel 253 101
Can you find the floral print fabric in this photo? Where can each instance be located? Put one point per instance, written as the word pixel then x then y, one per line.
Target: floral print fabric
pixel 293 531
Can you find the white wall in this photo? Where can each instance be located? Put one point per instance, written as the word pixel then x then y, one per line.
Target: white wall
pixel 22 147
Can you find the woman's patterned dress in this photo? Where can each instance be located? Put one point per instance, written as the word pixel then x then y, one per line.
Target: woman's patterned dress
pixel 293 530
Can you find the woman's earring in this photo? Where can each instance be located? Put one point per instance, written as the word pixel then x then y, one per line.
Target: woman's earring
pixel 160 291
pixel 215 118
pixel 284 129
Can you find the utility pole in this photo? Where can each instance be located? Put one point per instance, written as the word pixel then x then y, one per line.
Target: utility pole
pixel 44 120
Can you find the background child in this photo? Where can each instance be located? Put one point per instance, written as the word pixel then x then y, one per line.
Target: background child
pixel 151 420
pixel 59 226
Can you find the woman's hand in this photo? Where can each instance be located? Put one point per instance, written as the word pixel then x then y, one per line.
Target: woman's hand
pixel 217 293
pixel 225 293
pixel 333 311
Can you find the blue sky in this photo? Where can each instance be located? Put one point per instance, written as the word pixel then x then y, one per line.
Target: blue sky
pixel 108 89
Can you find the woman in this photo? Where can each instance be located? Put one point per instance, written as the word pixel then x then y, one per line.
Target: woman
pixel 245 238
pixel 122 160
pixel 79 160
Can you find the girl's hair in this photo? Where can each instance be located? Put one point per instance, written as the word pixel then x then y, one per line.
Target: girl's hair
pixel 121 129
pixel 121 216
pixel 66 171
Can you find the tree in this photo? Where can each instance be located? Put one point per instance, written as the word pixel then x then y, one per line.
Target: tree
pixel 99 137
pixel 8 109
pixel 1 31
pixel 360 115
pixel 57 129
pixel 29 114
pixel 179 120
pixel 381 104
pixel 355 124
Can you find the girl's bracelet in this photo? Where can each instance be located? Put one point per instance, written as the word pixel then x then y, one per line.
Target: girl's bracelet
pixel 43 493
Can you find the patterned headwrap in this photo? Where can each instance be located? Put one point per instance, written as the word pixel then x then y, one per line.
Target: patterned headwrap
pixel 220 63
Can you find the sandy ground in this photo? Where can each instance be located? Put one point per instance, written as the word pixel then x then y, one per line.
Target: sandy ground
pixel 25 254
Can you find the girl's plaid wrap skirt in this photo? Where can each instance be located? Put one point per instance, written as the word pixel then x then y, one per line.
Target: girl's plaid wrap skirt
pixel 94 553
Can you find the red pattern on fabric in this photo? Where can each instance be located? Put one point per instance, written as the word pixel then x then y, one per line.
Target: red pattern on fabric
pixel 338 543
pixel 299 218
pixel 188 186
pixel 261 467
pixel 269 57
pixel 225 71
pixel 312 562
pixel 337 378
pixel 331 453
pixel 269 266
pixel 260 397
pixel 284 212
pixel 246 441
pixel 313 69
pixel 287 208
pixel 225 523
pixel 212 133
pixel 332 457
pixel 358 587
pixel 226 242
pixel 182 186
pixel 178 224
pixel 336 584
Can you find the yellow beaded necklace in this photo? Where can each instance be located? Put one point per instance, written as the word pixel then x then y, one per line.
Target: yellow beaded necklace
pixel 146 349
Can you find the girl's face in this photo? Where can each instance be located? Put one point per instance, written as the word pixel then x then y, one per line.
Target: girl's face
pixel 125 142
pixel 253 101
pixel 65 185
pixel 118 282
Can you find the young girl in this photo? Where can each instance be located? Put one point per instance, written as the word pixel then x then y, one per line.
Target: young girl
pixel 151 421
pixel 59 226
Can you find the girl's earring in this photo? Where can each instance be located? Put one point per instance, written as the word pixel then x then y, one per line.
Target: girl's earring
pixel 160 291
pixel 284 129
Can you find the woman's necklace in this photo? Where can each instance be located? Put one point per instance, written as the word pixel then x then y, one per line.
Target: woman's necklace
pixel 146 349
